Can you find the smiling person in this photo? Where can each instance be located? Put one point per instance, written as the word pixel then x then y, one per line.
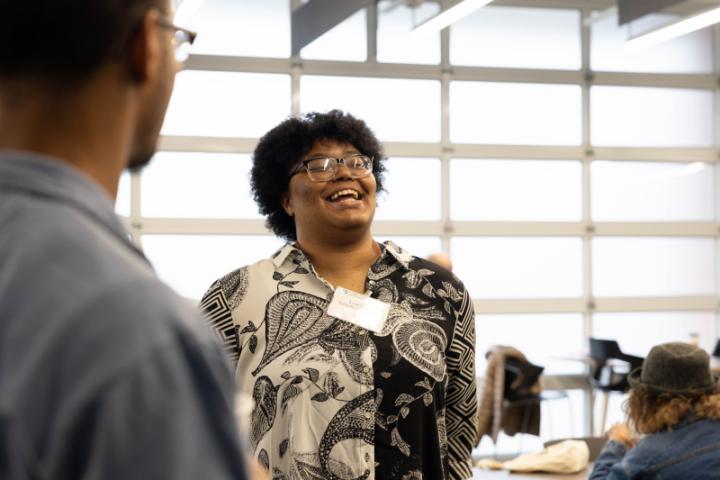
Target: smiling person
pixel 359 356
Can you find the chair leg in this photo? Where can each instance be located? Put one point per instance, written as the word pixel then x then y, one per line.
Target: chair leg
pixel 603 412
pixel 572 417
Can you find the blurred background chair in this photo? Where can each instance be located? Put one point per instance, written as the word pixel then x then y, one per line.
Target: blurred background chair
pixel 716 352
pixel 521 393
pixel 609 372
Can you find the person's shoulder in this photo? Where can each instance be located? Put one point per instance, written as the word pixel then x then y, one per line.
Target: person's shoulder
pixel 436 274
pixel 233 285
pixel 122 325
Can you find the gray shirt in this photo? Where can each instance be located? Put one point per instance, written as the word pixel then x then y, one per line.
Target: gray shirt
pixel 104 372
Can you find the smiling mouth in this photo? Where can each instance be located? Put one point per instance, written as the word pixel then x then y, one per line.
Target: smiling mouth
pixel 347 194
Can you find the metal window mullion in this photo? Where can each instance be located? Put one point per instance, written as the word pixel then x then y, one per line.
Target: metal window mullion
pixel 588 404
pixel 223 63
pixel 204 226
pixel 578 305
pixel 716 58
pixel 372 29
pixel 136 225
pixel 176 143
pixel 445 144
pixel 295 75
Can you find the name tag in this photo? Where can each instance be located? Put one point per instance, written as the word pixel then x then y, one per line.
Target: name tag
pixel 359 309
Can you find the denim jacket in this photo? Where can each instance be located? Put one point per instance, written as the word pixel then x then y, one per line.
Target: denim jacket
pixel 690 451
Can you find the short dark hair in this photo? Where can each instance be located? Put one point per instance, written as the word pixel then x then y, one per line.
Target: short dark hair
pixel 65 40
pixel 280 149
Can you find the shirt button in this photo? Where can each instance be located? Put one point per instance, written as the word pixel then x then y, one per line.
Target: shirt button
pixel 368 415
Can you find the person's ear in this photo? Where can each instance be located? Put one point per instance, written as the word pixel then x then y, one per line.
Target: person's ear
pixel 145 56
pixel 287 204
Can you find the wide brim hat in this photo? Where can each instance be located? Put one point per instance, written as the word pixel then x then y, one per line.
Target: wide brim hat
pixel 676 368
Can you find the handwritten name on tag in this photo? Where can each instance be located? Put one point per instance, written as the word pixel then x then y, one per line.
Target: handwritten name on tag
pixel 359 309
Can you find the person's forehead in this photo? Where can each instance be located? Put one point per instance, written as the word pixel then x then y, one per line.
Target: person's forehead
pixel 328 145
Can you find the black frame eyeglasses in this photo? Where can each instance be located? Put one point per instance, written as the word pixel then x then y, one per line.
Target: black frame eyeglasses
pixel 324 169
pixel 182 40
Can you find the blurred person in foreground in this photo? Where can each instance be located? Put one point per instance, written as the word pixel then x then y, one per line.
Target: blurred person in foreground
pixel 674 405
pixel 105 373
pixel 358 355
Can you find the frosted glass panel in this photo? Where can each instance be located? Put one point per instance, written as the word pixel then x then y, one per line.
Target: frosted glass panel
pixel 227 104
pixel 651 117
pixel 394 42
pixel 190 263
pixel 412 190
pixel 417 246
pixel 546 38
pixel 528 267
pixel 122 201
pixel 198 185
pixel 645 191
pixel 248 28
pixel 522 190
pixel 346 41
pixel 645 266
pixel 395 109
pixel 515 113
pixel 691 53
pixel 540 348
pixel 638 332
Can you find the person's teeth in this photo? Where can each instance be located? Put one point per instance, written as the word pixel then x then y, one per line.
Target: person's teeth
pixel 336 195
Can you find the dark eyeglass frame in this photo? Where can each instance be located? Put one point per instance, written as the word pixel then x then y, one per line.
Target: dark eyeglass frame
pixel 182 36
pixel 336 161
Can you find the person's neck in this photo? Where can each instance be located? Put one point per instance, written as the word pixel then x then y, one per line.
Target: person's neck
pixel 342 263
pixel 88 129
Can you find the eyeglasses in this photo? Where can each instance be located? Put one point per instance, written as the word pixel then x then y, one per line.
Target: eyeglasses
pixel 182 40
pixel 324 169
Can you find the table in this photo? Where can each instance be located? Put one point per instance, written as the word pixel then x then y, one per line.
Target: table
pixel 500 474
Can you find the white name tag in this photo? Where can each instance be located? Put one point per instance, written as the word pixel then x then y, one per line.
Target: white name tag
pixel 359 309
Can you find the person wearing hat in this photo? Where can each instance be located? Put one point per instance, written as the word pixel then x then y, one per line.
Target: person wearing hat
pixel 674 405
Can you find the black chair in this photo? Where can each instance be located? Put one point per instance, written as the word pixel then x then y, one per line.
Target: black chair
pixel 519 395
pixel 716 352
pixel 610 369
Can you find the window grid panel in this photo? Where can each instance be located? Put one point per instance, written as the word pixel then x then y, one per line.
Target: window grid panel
pixel 445 150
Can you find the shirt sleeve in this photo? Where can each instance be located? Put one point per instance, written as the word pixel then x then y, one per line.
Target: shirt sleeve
pixel 461 403
pixel 167 415
pixel 218 313
pixel 608 465
pixel 218 303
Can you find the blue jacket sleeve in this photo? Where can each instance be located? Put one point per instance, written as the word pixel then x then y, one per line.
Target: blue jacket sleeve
pixel 609 464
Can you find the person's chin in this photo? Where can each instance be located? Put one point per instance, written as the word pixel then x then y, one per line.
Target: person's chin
pixel 353 222
pixel 140 160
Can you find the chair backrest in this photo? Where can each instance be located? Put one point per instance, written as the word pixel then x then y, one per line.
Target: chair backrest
pixel 716 352
pixel 604 377
pixel 527 373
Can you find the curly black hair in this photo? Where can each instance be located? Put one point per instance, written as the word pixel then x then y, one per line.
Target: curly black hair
pixel 281 148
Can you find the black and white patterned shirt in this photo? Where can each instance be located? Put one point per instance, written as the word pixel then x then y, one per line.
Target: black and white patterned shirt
pixel 334 401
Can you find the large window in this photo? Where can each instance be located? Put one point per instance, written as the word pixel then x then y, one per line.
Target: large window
pixel 573 182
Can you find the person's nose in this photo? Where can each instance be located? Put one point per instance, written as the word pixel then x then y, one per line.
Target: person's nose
pixel 342 172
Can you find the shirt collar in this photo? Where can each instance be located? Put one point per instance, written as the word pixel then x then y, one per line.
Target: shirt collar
pixel 289 251
pixel 286 252
pixel 403 257
pixel 45 176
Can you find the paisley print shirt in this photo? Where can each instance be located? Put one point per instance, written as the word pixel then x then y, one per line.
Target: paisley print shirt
pixel 333 401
